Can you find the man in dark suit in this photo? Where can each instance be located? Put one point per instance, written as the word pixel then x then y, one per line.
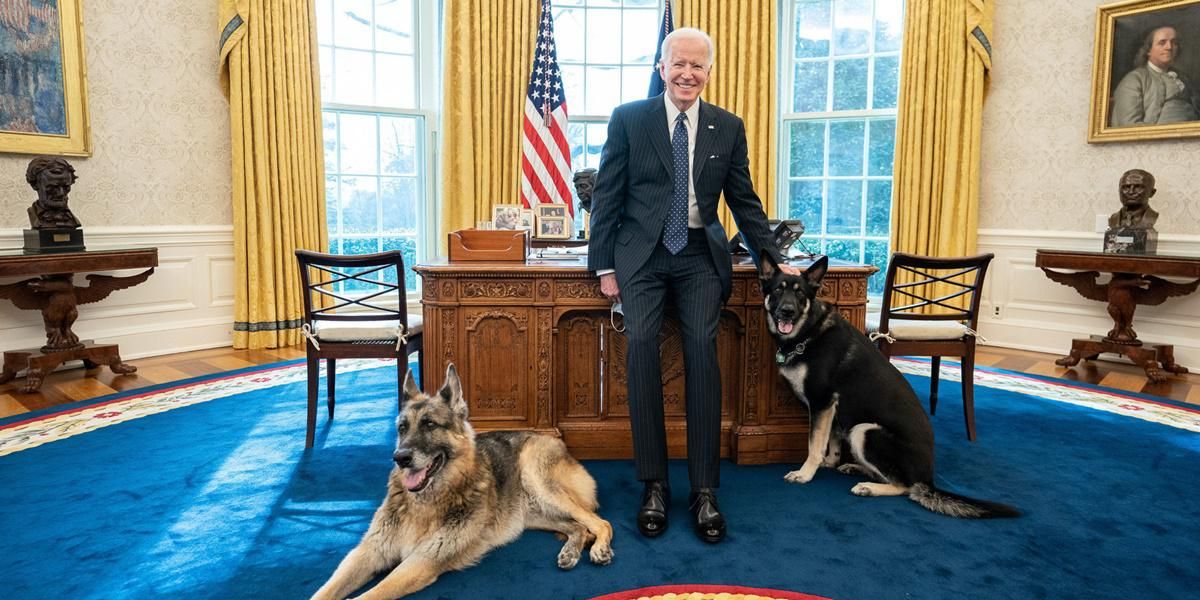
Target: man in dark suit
pixel 655 236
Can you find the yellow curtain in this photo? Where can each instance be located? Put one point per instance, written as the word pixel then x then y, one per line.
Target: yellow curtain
pixel 943 81
pixel 269 73
pixel 744 79
pixel 483 106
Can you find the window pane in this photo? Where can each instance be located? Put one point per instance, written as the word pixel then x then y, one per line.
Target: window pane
pixel 879 207
pixel 845 208
pixel 602 41
pixel 573 86
pixel 354 77
pixel 813 29
pixel 887 82
pixel 359 151
pixel 882 151
pixel 597 134
pixel 807 149
pixel 325 55
pixel 650 3
pixel 331 205
pixel 810 92
pixel 889 25
pixel 394 26
pixel 850 84
pixel 360 205
pixel 603 2
pixel 852 27
pixel 603 90
pixel 408 247
pixel 568 34
pixel 325 22
pixel 352 23
pixel 804 203
pixel 399 198
pixel 398 145
pixel 397 81
pixel 329 135
pixel 876 253
pixel 639 36
pixel 635 82
pixel 843 249
pixel 576 141
pixel 846 148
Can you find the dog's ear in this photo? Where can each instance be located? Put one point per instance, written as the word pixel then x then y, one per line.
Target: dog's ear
pixel 767 267
pixel 452 393
pixel 410 386
pixel 815 273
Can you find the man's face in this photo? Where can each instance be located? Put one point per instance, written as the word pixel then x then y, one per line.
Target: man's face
pixel 685 70
pixel 54 184
pixel 584 183
pixel 1164 48
pixel 1134 191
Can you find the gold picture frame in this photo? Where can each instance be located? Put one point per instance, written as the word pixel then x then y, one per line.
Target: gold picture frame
pixel 50 117
pixel 553 228
pixel 1128 34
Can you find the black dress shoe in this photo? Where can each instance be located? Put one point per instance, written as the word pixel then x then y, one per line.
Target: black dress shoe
pixel 706 516
pixel 652 516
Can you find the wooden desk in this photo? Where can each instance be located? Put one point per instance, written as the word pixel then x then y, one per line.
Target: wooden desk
pixel 1134 281
pixel 54 293
pixel 535 350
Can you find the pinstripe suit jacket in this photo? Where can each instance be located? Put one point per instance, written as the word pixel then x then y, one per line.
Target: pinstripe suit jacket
pixel 634 188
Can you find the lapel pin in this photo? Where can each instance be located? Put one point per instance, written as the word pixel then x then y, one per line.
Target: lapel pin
pixel 712 127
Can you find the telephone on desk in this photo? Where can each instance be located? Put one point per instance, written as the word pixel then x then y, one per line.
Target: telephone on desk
pixel 786 232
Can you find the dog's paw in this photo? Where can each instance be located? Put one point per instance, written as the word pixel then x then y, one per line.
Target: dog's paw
pixel 601 555
pixel 850 469
pixel 568 558
pixel 862 489
pixel 799 476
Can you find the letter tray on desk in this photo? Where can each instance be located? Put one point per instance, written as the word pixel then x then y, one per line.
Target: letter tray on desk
pixel 498 245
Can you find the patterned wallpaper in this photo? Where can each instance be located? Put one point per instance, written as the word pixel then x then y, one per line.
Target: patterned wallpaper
pixel 1038 171
pixel 160 125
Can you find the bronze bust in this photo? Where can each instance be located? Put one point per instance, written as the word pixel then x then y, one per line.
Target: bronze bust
pixel 1136 189
pixel 585 182
pixel 52 178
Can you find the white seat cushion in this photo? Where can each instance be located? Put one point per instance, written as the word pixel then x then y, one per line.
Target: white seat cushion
pixel 349 331
pixel 906 329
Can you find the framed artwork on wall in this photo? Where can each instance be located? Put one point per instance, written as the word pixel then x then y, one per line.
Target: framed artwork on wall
pixel 1146 71
pixel 43 95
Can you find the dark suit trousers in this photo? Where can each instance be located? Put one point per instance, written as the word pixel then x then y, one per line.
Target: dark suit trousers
pixel 689 281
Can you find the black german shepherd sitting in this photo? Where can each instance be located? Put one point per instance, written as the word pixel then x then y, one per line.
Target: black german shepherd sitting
pixel 864 416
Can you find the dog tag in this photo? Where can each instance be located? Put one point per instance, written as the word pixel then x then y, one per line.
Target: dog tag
pixel 779 358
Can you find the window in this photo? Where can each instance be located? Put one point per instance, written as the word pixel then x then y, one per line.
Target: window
pixel 378 86
pixel 606 54
pixel 841 74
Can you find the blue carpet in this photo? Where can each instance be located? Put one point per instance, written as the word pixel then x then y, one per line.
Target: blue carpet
pixel 219 500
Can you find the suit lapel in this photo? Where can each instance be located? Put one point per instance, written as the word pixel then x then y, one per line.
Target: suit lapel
pixel 660 137
pixel 706 136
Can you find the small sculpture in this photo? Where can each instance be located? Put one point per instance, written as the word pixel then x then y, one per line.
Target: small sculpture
pixel 1131 229
pixel 585 182
pixel 52 178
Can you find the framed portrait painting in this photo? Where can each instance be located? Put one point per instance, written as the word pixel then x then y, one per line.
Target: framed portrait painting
pixel 43 96
pixel 1146 71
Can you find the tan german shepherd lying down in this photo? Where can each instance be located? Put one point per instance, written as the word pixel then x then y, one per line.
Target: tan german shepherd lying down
pixel 453 496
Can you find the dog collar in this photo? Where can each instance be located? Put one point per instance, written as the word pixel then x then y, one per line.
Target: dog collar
pixel 781 358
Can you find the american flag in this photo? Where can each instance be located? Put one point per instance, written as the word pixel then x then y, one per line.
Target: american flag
pixel 545 154
pixel 666 26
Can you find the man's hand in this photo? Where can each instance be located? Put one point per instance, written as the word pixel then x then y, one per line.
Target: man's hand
pixel 608 287
pixel 790 270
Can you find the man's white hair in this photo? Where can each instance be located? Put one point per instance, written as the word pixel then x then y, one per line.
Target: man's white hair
pixel 687 33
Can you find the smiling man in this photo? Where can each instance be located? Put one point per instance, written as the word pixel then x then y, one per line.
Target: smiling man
pixel 1154 92
pixel 655 238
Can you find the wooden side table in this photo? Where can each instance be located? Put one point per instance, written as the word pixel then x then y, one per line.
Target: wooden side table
pixel 1135 280
pixel 54 293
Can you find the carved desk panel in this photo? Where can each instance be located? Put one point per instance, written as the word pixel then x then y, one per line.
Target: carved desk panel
pixel 535 349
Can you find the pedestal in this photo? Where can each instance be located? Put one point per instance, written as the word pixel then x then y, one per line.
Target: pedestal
pixel 37 363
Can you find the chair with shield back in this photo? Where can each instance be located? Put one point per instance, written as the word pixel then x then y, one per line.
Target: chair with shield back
pixel 931 308
pixel 354 307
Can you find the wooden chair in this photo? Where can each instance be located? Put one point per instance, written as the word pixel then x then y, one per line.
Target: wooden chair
pixel 924 318
pixel 369 320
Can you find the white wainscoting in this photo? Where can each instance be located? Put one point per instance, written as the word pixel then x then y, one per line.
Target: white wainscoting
pixel 187 304
pixel 1023 309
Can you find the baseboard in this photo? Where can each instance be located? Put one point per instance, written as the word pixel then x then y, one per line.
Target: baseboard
pixel 1023 309
pixel 187 304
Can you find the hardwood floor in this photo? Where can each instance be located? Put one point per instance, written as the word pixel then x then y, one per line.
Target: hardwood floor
pixel 73 385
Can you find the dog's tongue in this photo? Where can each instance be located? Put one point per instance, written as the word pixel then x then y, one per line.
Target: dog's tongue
pixel 414 479
pixel 785 327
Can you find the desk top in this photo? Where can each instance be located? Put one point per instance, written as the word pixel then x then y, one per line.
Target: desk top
pixel 578 265
pixel 15 262
pixel 1141 264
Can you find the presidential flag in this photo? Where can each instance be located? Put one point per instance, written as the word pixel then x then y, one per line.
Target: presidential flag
pixel 545 154
pixel 665 27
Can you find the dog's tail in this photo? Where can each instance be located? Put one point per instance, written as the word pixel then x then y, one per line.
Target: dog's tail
pixel 954 505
